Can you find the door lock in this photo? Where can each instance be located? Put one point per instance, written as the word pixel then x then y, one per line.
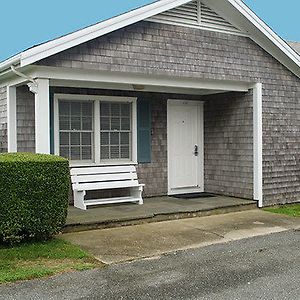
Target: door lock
pixel 196 151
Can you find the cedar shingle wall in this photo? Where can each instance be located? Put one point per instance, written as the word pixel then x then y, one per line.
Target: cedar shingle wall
pixel 3 120
pixel 25 120
pixel 228 143
pixel 159 49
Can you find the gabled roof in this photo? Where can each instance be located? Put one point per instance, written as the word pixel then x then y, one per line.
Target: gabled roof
pixel 234 10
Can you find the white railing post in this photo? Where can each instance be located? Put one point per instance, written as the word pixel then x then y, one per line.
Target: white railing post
pixel 257 144
pixel 11 119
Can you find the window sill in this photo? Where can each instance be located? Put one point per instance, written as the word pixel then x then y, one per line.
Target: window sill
pixel 92 164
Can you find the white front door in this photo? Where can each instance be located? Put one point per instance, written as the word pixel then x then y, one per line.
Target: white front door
pixel 185 146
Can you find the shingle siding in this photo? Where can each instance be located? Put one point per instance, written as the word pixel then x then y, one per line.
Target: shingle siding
pixel 228 144
pixel 3 119
pixel 160 49
pixel 25 120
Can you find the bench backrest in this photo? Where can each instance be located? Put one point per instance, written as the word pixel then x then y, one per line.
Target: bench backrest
pixel 105 176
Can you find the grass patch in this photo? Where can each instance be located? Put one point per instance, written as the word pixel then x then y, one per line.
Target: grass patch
pixel 289 209
pixel 40 259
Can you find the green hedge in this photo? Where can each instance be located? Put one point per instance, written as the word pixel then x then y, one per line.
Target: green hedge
pixel 34 190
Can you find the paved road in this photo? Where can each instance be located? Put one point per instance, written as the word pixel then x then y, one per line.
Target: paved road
pixel 265 267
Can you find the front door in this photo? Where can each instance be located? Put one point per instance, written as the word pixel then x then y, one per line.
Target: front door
pixel 185 146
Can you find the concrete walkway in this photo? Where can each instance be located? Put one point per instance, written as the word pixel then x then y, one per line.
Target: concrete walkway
pixel 154 210
pixel 151 240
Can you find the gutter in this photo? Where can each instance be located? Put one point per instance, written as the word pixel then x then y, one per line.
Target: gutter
pixel 9 62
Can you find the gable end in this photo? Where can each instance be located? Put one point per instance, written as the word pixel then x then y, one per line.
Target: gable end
pixel 196 14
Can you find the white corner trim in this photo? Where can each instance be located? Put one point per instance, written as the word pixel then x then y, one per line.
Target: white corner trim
pixel 257 144
pixel 11 119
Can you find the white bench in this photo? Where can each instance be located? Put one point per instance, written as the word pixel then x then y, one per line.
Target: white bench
pixel 105 178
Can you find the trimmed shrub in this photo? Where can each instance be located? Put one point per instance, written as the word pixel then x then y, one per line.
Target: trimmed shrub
pixel 34 190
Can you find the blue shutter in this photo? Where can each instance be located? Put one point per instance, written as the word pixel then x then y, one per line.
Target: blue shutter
pixel 144 131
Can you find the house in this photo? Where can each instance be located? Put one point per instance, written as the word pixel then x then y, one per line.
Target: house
pixel 200 95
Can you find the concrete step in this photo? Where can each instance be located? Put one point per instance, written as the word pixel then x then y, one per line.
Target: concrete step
pixel 88 224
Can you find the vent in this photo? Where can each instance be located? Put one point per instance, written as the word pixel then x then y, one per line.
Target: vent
pixel 211 19
pixel 185 14
pixel 195 14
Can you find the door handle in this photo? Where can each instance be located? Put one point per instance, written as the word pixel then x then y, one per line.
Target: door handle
pixel 196 151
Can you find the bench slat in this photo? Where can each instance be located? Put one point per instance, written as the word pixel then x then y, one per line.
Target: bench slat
pixel 106 185
pixel 111 200
pixel 102 170
pixel 103 177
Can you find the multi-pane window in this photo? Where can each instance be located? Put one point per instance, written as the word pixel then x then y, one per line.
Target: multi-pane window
pixel 76 130
pixel 95 129
pixel 115 129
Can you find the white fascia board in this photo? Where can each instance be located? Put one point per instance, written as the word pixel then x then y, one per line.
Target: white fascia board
pixel 137 79
pixel 73 39
pixel 9 62
pixel 265 29
pixel 264 36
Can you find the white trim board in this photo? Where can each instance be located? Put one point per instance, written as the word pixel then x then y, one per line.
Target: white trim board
pixel 257 144
pixel 234 10
pixel 122 78
pixel 68 77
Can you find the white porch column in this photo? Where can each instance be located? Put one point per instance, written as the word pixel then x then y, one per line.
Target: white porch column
pixel 11 119
pixel 257 144
pixel 42 115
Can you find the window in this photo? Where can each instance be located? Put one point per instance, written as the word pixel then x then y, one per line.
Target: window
pixel 95 129
pixel 115 128
pixel 76 130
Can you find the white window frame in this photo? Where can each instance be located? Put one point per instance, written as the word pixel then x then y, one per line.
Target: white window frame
pixel 96 150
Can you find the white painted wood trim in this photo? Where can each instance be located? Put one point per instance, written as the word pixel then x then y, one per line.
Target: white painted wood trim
pixel 257 144
pixel 60 44
pixel 200 108
pixel 11 119
pixel 126 81
pixel 97 134
pixel 134 131
pixel 201 145
pixel 97 99
pixel 138 79
pixel 42 117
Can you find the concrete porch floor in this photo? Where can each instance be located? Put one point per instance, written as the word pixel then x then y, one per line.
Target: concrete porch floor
pixel 153 210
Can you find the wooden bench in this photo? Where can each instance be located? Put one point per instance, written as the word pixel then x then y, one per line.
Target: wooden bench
pixel 105 178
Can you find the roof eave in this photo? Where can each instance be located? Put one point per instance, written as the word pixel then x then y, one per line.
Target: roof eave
pixel 14 60
pixel 66 42
pixel 283 52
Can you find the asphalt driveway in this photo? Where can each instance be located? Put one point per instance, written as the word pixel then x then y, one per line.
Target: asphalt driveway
pixel 263 267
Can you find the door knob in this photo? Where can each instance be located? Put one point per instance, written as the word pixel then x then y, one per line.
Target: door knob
pixel 196 151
